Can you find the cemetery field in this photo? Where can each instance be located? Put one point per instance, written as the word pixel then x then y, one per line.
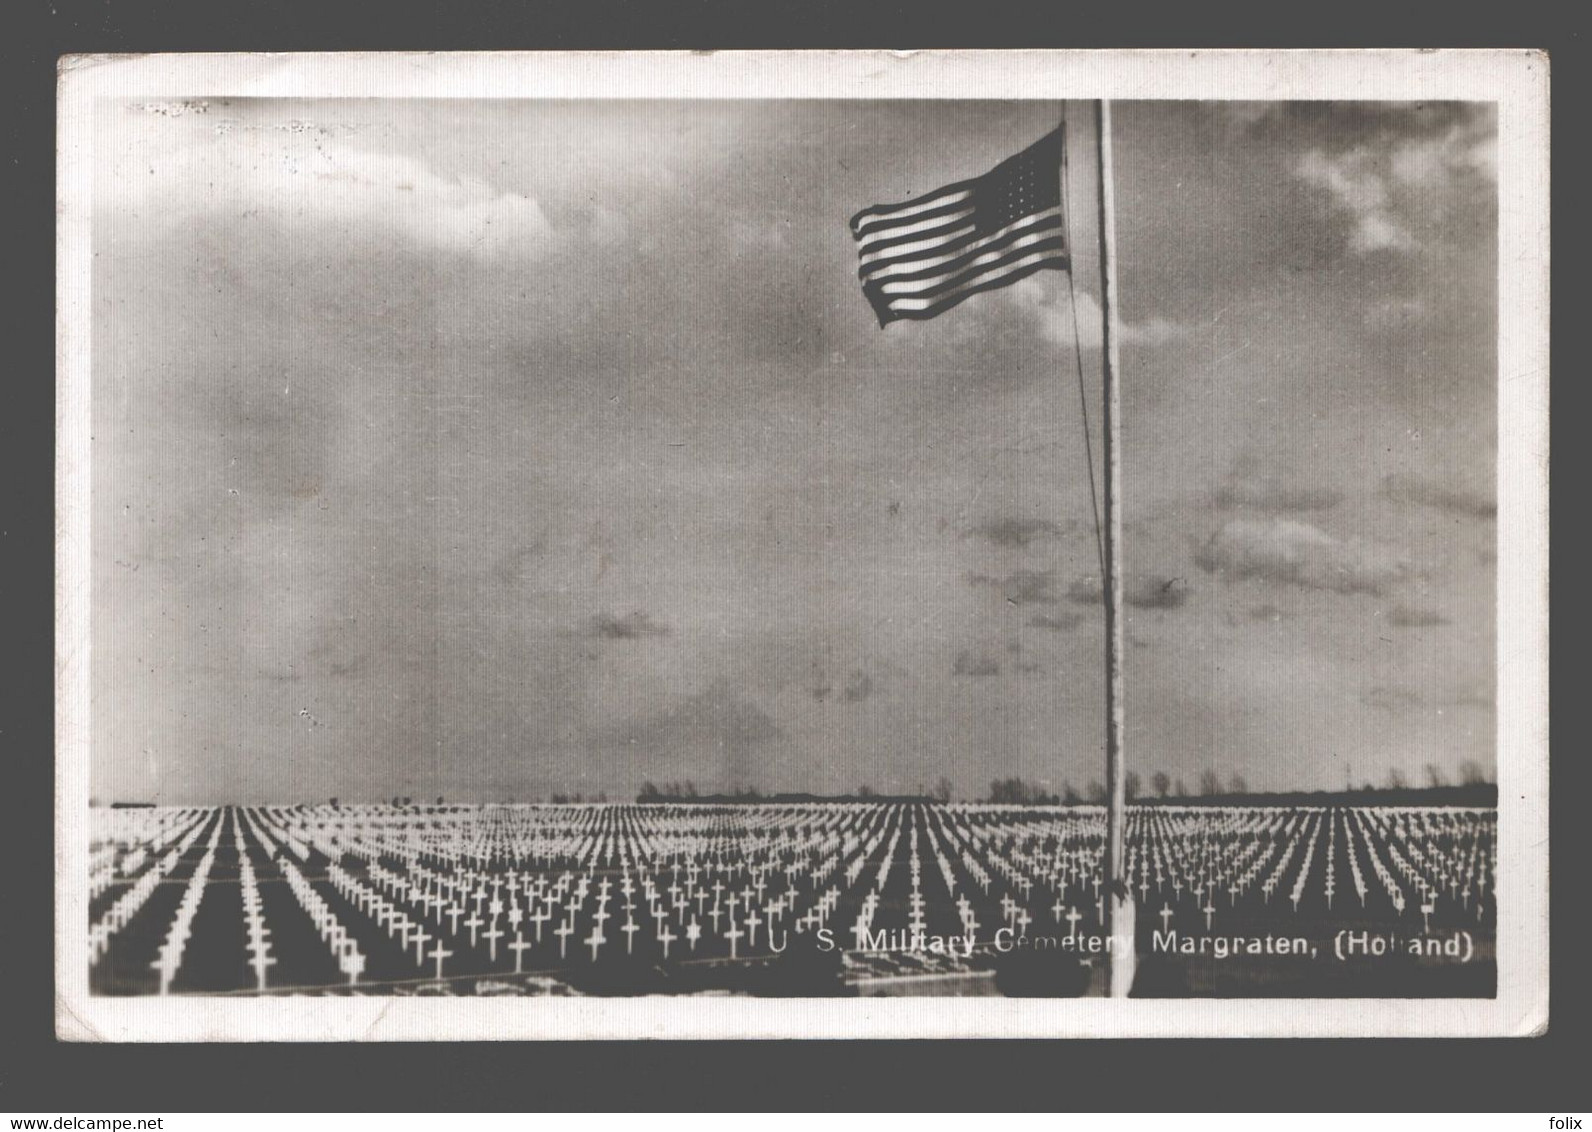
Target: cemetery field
pixel 799 899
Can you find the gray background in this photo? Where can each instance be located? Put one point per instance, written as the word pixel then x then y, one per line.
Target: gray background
pixel 494 449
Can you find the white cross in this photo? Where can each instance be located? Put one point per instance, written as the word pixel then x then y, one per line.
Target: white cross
pixel 666 937
pixel 439 954
pixel 353 965
pixel 1166 916
pixel 518 946
pixel 630 931
pixel 419 938
pixel 260 962
pixel 170 959
pixel 492 935
pixel 595 941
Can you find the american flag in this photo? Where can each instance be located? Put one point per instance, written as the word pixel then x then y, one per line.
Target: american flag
pixel 926 255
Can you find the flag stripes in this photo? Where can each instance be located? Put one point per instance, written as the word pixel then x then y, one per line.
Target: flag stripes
pixel 926 255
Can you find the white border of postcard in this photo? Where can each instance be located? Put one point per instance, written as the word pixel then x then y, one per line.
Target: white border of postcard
pixel 1516 80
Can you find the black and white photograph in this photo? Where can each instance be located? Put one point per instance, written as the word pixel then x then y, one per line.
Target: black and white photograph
pixel 566 546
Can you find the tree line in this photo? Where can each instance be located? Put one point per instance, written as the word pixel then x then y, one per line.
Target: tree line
pixel 1023 792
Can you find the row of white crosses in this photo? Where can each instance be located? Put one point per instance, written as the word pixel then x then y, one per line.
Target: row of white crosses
pixel 345 950
pixel 139 835
pixel 1312 826
pixel 988 845
pixel 434 896
pixel 1382 872
pixel 169 958
pixel 975 847
pixel 1203 855
pixel 1073 862
pixel 1330 884
pixel 102 871
pixel 132 899
pixel 116 917
pixel 946 832
pixel 406 932
pixel 1416 856
pixel 1417 864
pixel 593 877
pixel 1447 853
pixel 257 941
pixel 1224 852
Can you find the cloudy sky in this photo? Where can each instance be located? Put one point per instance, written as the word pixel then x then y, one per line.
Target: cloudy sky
pixel 491 449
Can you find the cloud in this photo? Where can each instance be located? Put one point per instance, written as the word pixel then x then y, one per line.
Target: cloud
pixel 859 686
pixel 1468 147
pixel 297 175
pixel 1013 532
pixel 1358 187
pixel 1392 184
pixel 1049 301
pixel 1142 591
pixel 1285 550
pixel 1059 624
pixel 1021 587
pixel 1246 114
pixel 970 664
pixel 1274 494
pixel 1415 617
pixel 1266 613
pixel 717 738
pixel 1443 496
pixel 629 627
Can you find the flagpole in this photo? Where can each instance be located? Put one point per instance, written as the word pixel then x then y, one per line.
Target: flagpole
pixel 1119 910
